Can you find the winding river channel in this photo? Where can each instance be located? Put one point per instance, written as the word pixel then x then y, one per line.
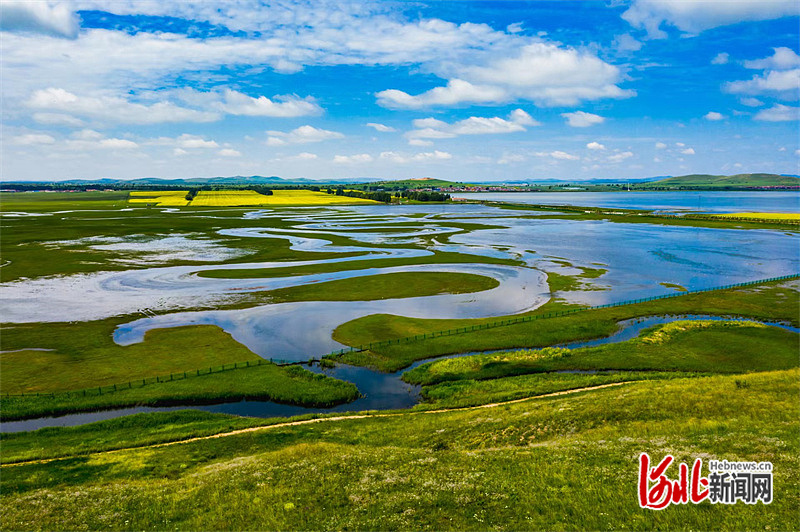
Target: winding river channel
pixel 631 260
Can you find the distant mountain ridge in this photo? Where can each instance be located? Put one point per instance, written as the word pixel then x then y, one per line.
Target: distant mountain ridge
pixel 722 181
pixel 661 182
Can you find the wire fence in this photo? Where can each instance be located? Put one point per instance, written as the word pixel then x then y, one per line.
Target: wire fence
pixel 139 383
pixel 534 317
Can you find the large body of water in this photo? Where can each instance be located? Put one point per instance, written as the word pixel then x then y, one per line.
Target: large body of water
pixel 696 201
pixel 638 261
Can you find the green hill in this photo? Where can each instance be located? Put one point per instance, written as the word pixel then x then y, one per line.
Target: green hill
pixel 425 182
pixel 723 181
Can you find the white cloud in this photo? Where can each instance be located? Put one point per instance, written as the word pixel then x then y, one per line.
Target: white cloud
pixel 401 158
pixel 38 17
pixel 419 142
pixel 619 157
pixel 193 141
pixel 237 103
pixel 751 102
pixel 114 109
pixel 228 152
pixel 695 16
pixel 721 58
pixel 680 144
pixel 58 119
pixel 544 73
pixel 558 154
pixel 32 139
pixel 380 127
pixel 626 43
pixel 118 144
pixel 786 82
pixel 510 158
pixel 714 116
pixel 595 146
pixel 782 59
pixel 688 151
pixel 351 159
pixel 301 135
pixel 778 113
pixel 582 119
pixel 179 151
pixel 432 128
pixel 456 92
pixel 660 145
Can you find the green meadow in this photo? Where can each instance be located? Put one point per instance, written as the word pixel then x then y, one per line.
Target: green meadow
pixel 531 437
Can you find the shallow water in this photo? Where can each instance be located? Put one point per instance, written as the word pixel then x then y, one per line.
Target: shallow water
pixel 381 391
pixel 696 201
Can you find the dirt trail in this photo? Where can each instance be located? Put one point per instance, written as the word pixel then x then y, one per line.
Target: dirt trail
pixel 321 420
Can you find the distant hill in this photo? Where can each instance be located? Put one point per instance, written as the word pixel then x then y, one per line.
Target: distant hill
pixel 724 181
pixel 425 182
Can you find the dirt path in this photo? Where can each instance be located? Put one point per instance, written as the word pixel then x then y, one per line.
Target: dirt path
pixel 322 420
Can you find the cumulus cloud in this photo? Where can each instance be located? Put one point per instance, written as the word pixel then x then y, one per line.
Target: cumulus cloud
pixel 402 158
pixel 118 144
pixel 544 73
pixel 778 113
pixel 714 116
pixel 595 146
pixel 38 17
pixel 619 157
pixel 695 16
pixel 721 58
pixel 688 151
pixel 660 146
pixel 456 92
pixel 751 102
pixel 786 83
pixel 31 139
pixel 782 59
pixel 626 43
pixel 582 119
pixel 301 135
pixel 558 154
pixel 237 103
pixel 228 152
pixel 351 159
pixel 113 108
pixel 432 128
pixel 58 119
pixel 380 127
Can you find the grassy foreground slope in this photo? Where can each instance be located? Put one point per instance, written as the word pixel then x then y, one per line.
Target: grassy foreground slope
pixel 553 463
pixel 770 301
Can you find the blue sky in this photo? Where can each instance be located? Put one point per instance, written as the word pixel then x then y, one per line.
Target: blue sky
pixel 472 91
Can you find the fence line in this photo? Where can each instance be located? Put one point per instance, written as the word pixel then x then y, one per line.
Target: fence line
pixel 138 383
pixel 522 319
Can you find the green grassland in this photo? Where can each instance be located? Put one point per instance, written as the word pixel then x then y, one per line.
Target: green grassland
pixel 386 286
pixel 487 449
pixel 699 346
pixel 722 181
pixel 524 465
pixel 266 382
pixel 773 301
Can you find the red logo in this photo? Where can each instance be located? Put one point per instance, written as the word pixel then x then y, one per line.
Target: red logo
pixel 656 491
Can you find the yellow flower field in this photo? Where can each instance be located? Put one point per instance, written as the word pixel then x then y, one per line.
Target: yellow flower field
pixel 762 215
pixel 163 198
pixel 243 198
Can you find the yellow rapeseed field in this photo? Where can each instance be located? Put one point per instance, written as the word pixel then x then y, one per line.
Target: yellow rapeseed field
pixel 162 198
pixel 762 215
pixel 243 198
